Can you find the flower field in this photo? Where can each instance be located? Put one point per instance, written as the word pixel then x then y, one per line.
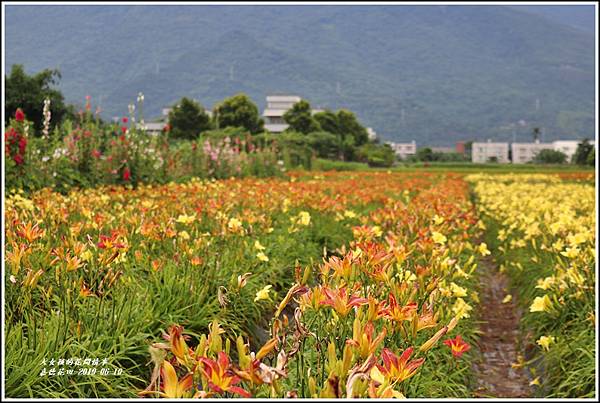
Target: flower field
pixel 348 284
pixel 544 227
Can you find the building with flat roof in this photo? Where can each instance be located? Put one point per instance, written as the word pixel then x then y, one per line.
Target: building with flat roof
pixel 568 147
pixel 152 128
pixel 277 106
pixel 488 152
pixel 404 150
pixel 525 152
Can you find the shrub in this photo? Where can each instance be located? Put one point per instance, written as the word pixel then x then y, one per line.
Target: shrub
pixel 326 145
pixel 550 157
pixel 376 155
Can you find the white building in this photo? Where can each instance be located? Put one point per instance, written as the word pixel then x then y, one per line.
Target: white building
pixel 404 150
pixel 277 106
pixel 485 152
pixel 371 133
pixel 568 147
pixel 152 128
pixel 523 153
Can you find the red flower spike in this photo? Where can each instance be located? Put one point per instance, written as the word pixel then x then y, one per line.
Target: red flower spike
pixel 19 115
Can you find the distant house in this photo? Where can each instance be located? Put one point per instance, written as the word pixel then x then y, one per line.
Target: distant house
pixel 526 152
pixel 152 128
pixel 523 153
pixel 404 150
pixel 487 152
pixel 568 147
pixel 277 106
pixel 156 127
pixel 371 133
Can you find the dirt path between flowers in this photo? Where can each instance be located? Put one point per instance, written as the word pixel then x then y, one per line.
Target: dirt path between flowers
pixel 498 342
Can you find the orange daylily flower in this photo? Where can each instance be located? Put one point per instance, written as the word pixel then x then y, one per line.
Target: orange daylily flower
pixel 312 299
pixel 426 320
pixel 363 339
pixel 341 267
pixel 397 369
pixel 179 347
pixel 171 386
pixel 16 255
pixel 30 232
pixel 399 313
pixel 341 301
pixel 110 242
pixel 457 345
pixel 220 378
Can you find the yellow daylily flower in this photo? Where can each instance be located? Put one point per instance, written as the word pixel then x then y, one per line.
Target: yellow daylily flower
pixel 263 293
pixel 483 249
pixel 304 218
pixel 186 219
pixel 540 304
pixel 438 238
pixel 545 342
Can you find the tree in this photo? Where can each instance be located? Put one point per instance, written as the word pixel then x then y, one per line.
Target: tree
pixel 188 119
pixel 591 158
pixel 584 154
pixel 328 121
pixel 327 145
pixel 300 119
pixel 425 154
pixel 550 157
pixel 238 111
pixel 348 125
pixel 29 92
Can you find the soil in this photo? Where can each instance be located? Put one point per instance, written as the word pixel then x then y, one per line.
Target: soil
pixel 499 339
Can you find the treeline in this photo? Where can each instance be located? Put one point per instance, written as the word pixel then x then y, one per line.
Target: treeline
pixel 51 144
pixel 332 135
pixel 335 135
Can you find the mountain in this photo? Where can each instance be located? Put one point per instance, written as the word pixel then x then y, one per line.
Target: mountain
pixel 576 16
pixel 435 74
